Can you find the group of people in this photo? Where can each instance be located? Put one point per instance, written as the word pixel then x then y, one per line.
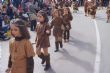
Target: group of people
pixel 90 8
pixel 21 49
pixel 5 17
pixel 7 13
pixel 21 59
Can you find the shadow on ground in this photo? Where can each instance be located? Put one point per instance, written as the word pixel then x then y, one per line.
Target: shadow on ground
pixel 86 65
pixel 82 45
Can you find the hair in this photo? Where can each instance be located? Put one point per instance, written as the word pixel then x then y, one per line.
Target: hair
pixel 69 12
pixel 44 14
pixel 54 11
pixel 22 27
pixel 67 8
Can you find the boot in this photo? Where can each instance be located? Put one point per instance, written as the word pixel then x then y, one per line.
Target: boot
pixel 107 21
pixel 57 46
pixel 67 40
pixel 61 45
pixel 42 57
pixel 64 40
pixel 47 58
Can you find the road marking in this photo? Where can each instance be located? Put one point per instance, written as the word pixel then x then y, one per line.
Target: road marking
pixel 0 50
pixel 98 50
pixel 0 55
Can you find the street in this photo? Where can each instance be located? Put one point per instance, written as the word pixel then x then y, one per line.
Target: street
pixel 87 44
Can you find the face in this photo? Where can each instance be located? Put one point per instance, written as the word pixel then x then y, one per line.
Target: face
pixel 15 31
pixel 40 18
pixel 65 11
pixel 56 14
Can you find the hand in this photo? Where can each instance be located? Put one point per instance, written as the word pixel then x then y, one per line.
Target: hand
pixel 8 70
pixel 36 41
pixel 67 27
pixel 47 31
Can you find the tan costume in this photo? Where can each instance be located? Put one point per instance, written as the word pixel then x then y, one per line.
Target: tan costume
pixel 19 51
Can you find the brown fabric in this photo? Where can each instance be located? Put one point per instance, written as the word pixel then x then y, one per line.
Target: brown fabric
pixel 19 51
pixel 61 11
pixel 66 20
pixel 57 23
pixel 108 11
pixel 42 38
pixel 61 3
pixel 93 10
pixel 85 6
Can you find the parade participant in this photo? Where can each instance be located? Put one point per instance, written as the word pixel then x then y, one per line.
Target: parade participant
pixel 57 23
pixel 42 38
pixel 100 4
pixel 89 9
pixel 86 7
pixel 53 3
pixel 61 3
pixel 60 11
pixel 67 17
pixel 108 13
pixel 75 6
pixel 21 50
pixel 93 10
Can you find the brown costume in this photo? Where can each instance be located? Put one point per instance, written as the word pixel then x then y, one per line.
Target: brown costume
pixel 42 41
pixel 93 10
pixel 61 3
pixel 85 6
pixel 57 23
pixel 66 19
pixel 19 52
pixel 108 13
pixel 75 6
pixel 42 38
pixel 61 11
pixel 100 3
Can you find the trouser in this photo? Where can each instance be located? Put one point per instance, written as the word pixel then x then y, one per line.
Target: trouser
pixel 66 34
pixel 33 25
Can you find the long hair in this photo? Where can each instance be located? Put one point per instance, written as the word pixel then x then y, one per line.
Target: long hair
pixel 44 14
pixel 54 11
pixel 22 27
pixel 69 13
